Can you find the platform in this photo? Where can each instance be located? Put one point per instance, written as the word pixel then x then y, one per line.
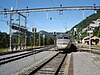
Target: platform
pixel 85 63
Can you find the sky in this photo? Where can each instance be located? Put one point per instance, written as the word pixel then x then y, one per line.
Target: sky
pixel 48 21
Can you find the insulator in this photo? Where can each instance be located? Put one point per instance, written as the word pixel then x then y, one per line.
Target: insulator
pixel 95 9
pixel 61 11
pixel 12 8
pixel 50 18
pixel 5 14
pixel 27 13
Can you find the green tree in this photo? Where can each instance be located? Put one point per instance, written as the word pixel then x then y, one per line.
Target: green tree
pixel 4 40
pixel 96 31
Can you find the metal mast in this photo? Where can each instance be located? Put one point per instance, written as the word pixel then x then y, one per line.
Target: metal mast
pixel 51 9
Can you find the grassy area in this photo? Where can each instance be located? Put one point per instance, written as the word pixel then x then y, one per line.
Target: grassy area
pixel 97 46
pixel 6 49
pixel 3 50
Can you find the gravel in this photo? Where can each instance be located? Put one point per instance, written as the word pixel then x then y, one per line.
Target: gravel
pixel 12 67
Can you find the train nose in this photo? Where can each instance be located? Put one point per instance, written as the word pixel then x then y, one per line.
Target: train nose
pixel 62 45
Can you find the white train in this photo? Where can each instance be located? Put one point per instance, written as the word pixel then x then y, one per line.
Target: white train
pixel 63 42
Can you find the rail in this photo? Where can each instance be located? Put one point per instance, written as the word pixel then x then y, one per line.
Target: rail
pixel 50 66
pixel 19 56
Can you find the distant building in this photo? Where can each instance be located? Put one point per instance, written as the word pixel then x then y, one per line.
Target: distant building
pixel 91 27
pixel 96 23
pixel 89 30
pixel 94 40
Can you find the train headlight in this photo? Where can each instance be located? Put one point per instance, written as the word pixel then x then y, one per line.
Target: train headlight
pixel 64 43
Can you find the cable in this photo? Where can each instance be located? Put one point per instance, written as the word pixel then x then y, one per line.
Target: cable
pixel 59 15
pixel 39 16
pixel 5 3
pixel 16 4
pixel 52 3
pixel 83 13
pixel 1 8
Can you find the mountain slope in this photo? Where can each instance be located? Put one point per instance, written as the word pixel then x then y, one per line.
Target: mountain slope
pixel 86 22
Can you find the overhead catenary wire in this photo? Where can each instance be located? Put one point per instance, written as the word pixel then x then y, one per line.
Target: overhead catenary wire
pixel 34 24
pixel 61 14
pixel 1 8
pixel 83 14
pixel 52 3
pixel 6 21
pixel 47 15
pixel 7 6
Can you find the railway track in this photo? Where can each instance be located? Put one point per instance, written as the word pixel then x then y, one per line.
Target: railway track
pixel 51 66
pixel 19 56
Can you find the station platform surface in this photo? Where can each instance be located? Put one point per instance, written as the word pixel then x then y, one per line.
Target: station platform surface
pixel 85 63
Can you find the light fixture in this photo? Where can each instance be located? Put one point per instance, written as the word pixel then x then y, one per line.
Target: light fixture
pixel 61 11
pixel 27 13
pixel 5 14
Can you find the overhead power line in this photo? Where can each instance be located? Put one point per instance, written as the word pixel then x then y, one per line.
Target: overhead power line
pixel 52 3
pixel 60 12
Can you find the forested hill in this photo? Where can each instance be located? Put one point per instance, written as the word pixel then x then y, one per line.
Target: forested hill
pixel 87 21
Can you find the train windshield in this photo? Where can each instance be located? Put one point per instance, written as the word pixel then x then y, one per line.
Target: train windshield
pixel 60 37
pixel 66 38
pixel 63 38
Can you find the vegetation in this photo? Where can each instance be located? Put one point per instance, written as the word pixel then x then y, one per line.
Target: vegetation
pixel 48 40
pixel 96 31
pixel 4 40
pixel 83 24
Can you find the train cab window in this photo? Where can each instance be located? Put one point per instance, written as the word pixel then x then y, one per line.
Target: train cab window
pixel 65 37
pixel 60 37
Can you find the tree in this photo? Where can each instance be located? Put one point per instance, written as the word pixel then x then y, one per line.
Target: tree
pixel 50 41
pixel 4 40
pixel 96 32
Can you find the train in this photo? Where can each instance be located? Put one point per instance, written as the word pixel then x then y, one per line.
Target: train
pixel 63 42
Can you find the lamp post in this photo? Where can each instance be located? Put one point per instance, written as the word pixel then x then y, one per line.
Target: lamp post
pixel 34 31
pixel 89 34
pixel 10 29
pixel 31 39
pixel 54 34
pixel 39 39
pixel 43 40
pixel 90 43
pixel 75 33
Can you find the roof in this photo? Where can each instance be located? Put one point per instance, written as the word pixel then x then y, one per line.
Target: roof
pixel 94 37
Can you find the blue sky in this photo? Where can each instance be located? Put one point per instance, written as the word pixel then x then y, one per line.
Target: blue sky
pixel 41 20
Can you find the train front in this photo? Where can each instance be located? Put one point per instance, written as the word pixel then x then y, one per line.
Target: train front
pixel 63 43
